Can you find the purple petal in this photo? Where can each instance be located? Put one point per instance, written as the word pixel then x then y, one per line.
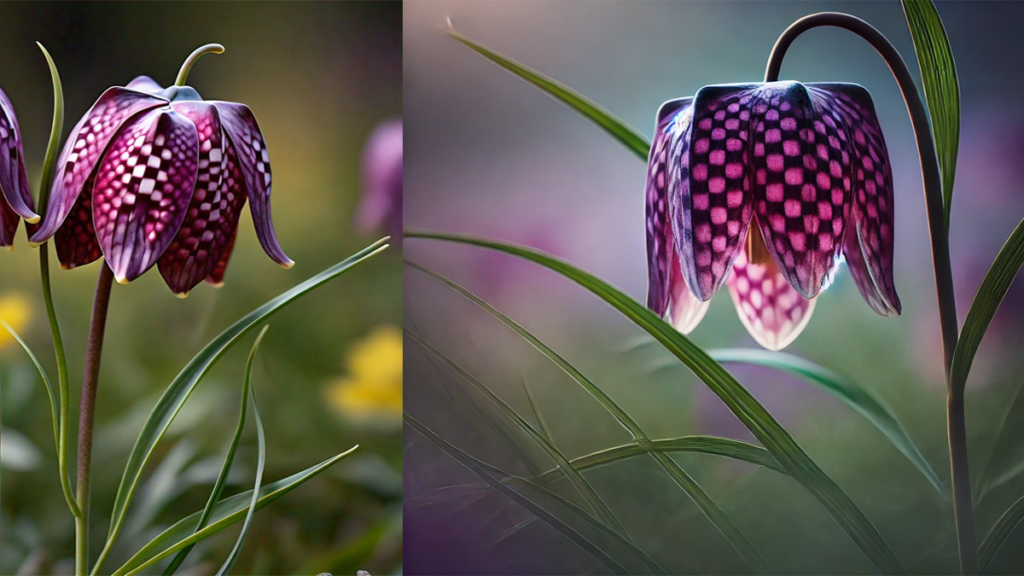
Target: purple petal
pixel 83 150
pixel 75 240
pixel 866 282
pixel 685 310
pixel 244 134
pixel 13 180
pixel 660 248
pixel 145 84
pixel 802 175
pixel 710 186
pixel 382 180
pixel 143 187
pixel 773 312
pixel 872 189
pixel 212 216
pixel 216 278
pixel 8 225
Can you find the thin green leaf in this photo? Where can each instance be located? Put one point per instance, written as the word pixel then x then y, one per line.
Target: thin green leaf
pixel 54 407
pixel 725 447
pixel 228 511
pixel 862 400
pixel 999 467
pixel 260 463
pixel 229 458
pixel 998 534
pixel 535 407
pixel 491 475
pixel 941 87
pixel 762 425
pixel 184 383
pixel 990 294
pixel 577 479
pixel 630 137
pixel 694 491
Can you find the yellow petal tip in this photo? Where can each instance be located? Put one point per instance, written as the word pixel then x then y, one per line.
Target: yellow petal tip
pixel 33 219
pixel 121 279
pixel 288 265
pixel 217 284
pixel 181 295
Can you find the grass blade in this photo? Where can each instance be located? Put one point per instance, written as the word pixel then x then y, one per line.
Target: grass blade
pixel 998 534
pixel 746 408
pixel 708 506
pixel 1005 447
pixel 184 383
pixel 725 447
pixel 260 463
pixel 229 458
pixel 491 476
pixel 861 400
pixel 577 479
pixel 54 407
pixel 628 136
pixel 990 294
pixel 228 511
pixel 941 87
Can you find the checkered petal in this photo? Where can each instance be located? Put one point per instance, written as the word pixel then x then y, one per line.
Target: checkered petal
pixel 145 84
pixel 685 310
pixel 802 175
pixel 216 278
pixel 872 216
pixel 83 150
pixel 244 134
pixel 212 217
pixel 710 199
pixel 144 185
pixel 660 245
pixel 75 240
pixel 773 312
pixel 13 180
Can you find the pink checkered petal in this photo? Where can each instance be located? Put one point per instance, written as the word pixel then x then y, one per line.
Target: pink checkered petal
pixel 75 240
pixel 660 247
pixel 145 84
pixel 144 184
pixel 244 134
pixel 14 184
pixel 710 199
pixel 216 277
pixel 872 186
pixel 85 147
pixel 212 217
pixel 867 283
pixel 773 312
pixel 802 181
pixel 685 310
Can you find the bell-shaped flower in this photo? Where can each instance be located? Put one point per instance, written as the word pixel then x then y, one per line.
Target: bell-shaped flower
pixel 159 176
pixel 14 187
pixel 767 187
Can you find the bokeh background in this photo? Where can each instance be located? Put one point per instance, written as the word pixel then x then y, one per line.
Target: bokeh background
pixel 319 77
pixel 491 155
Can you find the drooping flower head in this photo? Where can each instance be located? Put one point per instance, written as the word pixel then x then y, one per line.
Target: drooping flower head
pixel 17 196
pixel 382 180
pixel 767 187
pixel 159 176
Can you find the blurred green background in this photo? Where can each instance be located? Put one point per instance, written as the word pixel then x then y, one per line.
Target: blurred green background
pixel 493 156
pixel 318 76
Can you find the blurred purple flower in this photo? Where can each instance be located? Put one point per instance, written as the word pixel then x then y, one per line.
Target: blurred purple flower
pixel 382 180
pixel 774 182
pixel 17 197
pixel 158 175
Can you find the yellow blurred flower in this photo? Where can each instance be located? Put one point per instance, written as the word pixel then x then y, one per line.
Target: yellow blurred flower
pixel 15 310
pixel 371 392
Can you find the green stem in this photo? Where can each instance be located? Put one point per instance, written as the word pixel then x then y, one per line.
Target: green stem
pixel 196 54
pixel 939 231
pixel 45 181
pixel 87 413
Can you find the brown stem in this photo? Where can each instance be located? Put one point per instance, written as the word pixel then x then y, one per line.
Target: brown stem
pixel 87 410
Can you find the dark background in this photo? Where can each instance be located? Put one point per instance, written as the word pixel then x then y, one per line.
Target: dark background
pixel 318 76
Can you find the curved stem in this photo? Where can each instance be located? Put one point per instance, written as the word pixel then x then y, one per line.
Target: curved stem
pixel 87 412
pixel 939 232
pixel 46 179
pixel 193 57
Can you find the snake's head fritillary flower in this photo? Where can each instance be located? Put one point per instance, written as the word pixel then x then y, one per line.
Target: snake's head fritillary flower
pixel 767 187
pixel 382 180
pixel 14 187
pixel 159 176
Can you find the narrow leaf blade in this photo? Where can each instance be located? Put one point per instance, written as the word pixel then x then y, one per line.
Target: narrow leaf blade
pixel 998 534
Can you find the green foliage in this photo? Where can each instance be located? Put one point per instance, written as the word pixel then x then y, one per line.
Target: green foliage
pixel 941 87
